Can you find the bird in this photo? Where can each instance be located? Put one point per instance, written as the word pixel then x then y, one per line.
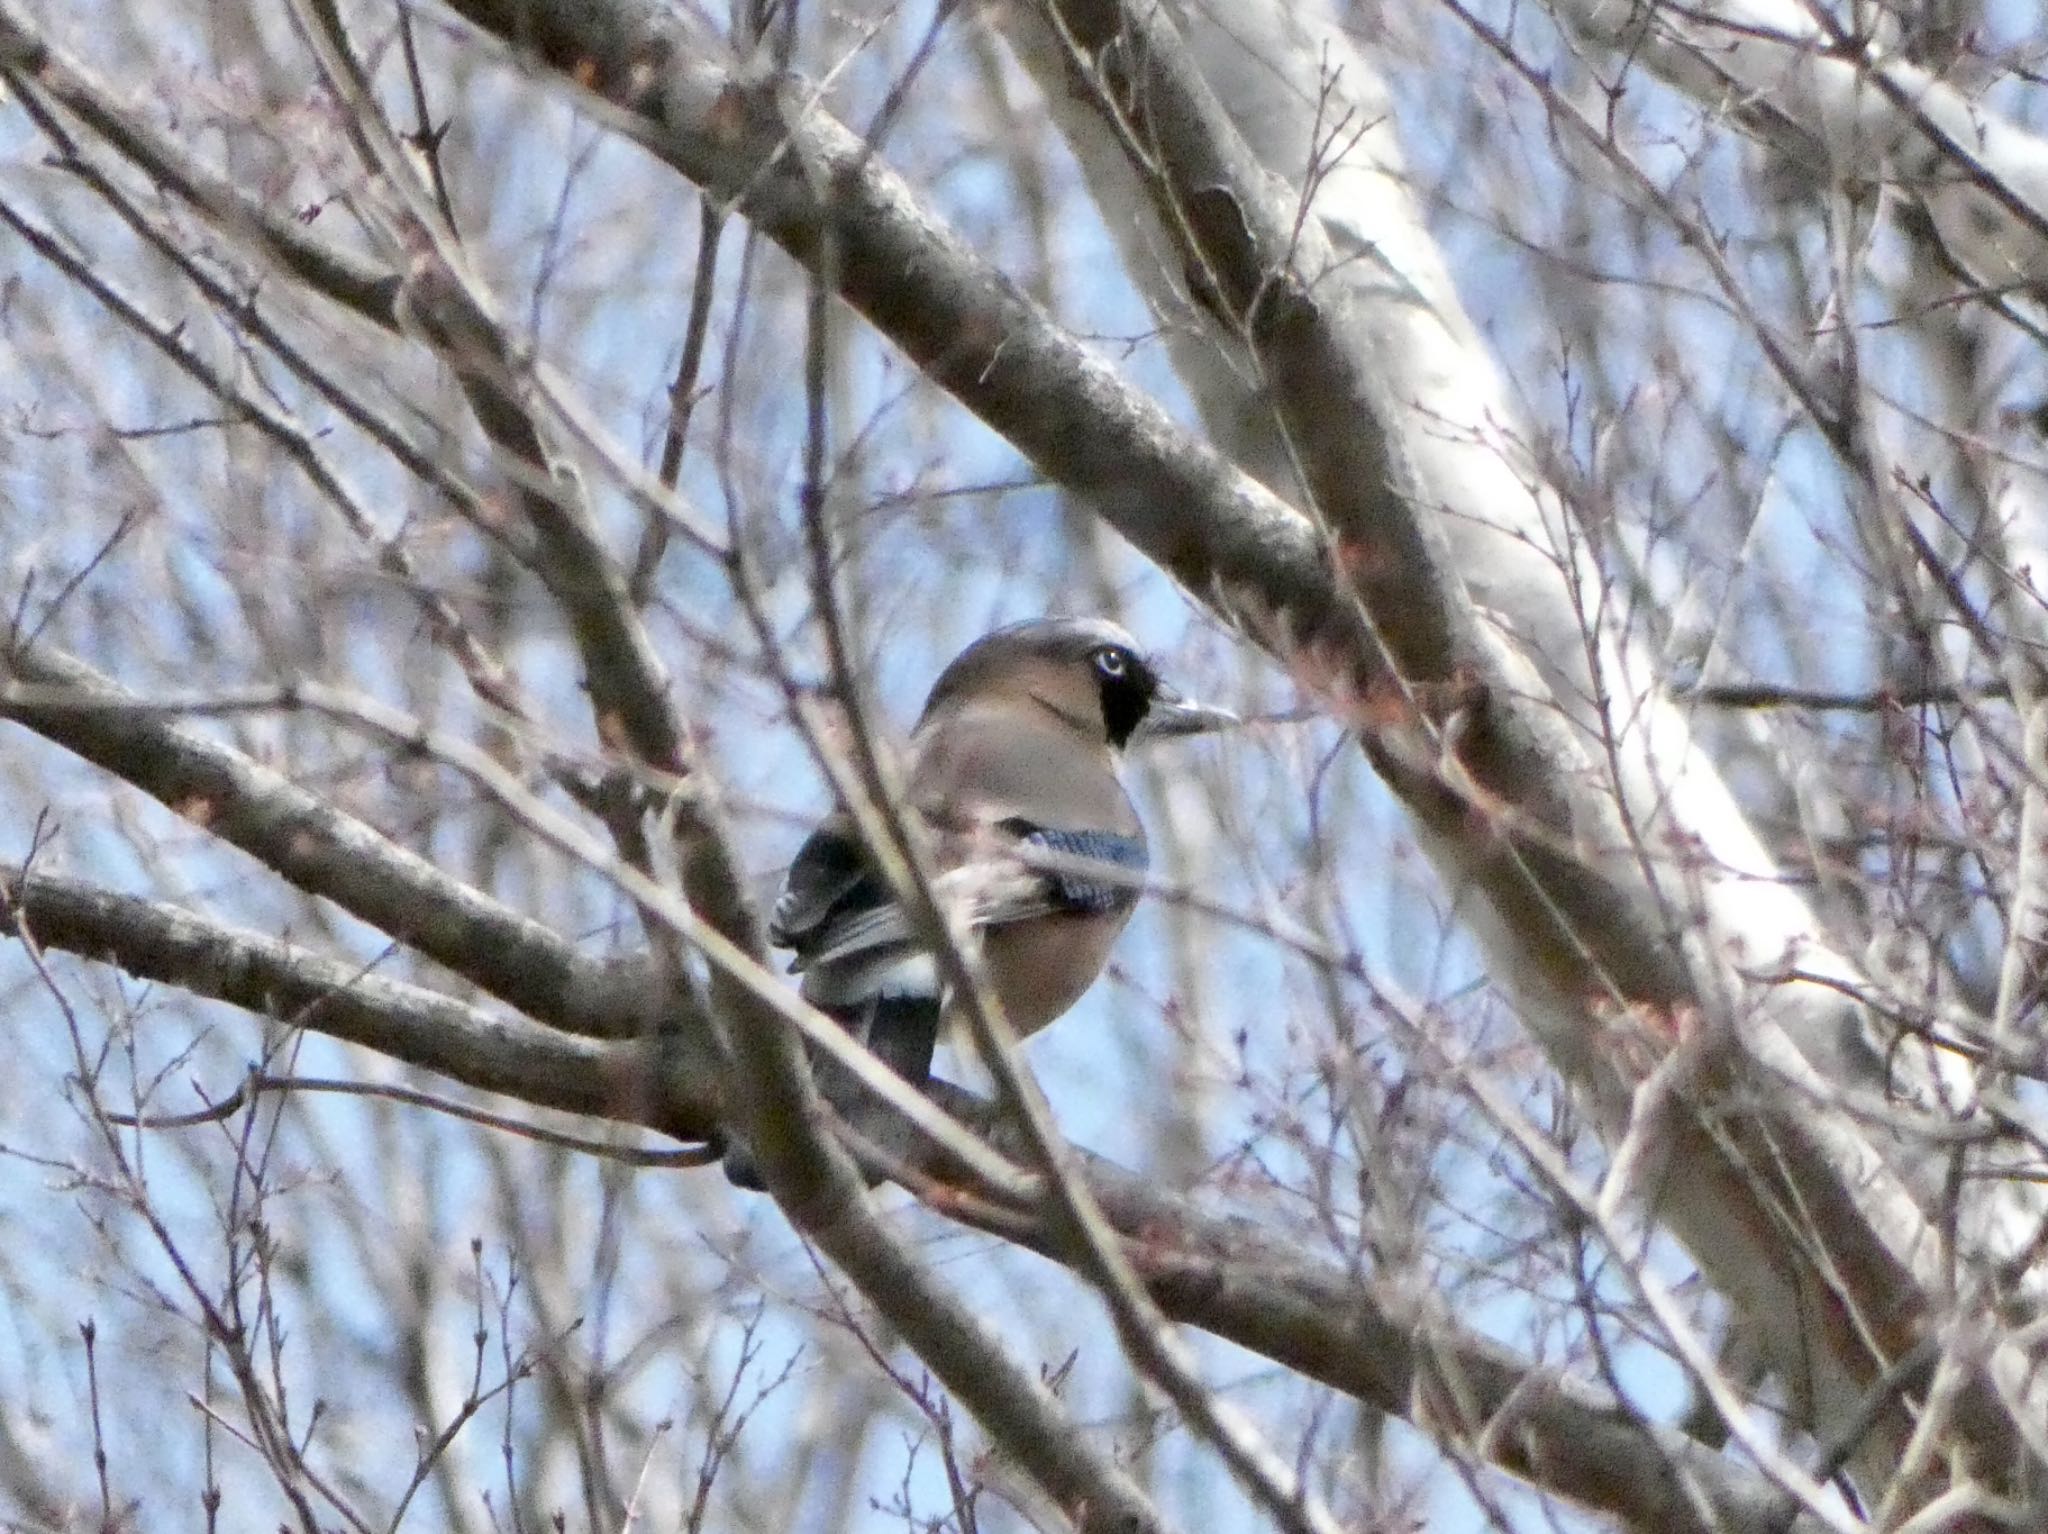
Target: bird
pixel 1013 770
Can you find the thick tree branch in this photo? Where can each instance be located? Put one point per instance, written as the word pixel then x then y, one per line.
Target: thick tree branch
pixel 824 1196
pixel 1224 1275
pixel 628 684
pixel 808 183
pixel 1600 926
pixel 811 185
pixel 324 852
pixel 153 940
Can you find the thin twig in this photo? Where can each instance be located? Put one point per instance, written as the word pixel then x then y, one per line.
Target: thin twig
pixel 426 138
pixel 257 1083
pixel 1763 695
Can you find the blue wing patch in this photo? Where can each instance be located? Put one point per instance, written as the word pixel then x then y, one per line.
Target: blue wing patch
pixel 1073 888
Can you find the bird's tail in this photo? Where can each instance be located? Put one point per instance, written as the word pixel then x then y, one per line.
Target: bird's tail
pixel 901 1028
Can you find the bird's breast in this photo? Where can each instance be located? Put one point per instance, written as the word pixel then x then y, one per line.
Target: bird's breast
pixel 1041 966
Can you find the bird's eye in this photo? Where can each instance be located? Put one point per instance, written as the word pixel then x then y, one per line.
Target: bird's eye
pixel 1113 661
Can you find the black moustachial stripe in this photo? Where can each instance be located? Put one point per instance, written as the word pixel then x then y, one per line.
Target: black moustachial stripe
pixel 1126 700
pixel 1074 888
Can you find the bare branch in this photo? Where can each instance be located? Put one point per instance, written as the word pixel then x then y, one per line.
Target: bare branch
pixel 327 853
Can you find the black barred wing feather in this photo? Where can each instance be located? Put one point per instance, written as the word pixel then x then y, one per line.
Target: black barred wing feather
pixel 1067 879
pixel 833 881
pixel 836 907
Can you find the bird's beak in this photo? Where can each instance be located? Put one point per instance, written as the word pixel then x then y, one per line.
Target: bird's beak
pixel 1171 715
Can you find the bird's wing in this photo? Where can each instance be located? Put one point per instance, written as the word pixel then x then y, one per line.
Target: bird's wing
pixel 833 878
pixel 986 892
pixel 1093 872
pixel 837 908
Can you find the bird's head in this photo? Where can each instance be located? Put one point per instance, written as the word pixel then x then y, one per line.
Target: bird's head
pixel 1088 671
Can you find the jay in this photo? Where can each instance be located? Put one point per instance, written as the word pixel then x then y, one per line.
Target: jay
pixel 1013 770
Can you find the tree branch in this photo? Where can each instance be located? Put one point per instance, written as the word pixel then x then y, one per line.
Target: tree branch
pixel 1224 1275
pixel 322 851
pixel 153 940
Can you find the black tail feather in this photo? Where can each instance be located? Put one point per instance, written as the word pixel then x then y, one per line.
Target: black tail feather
pixel 903 1033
